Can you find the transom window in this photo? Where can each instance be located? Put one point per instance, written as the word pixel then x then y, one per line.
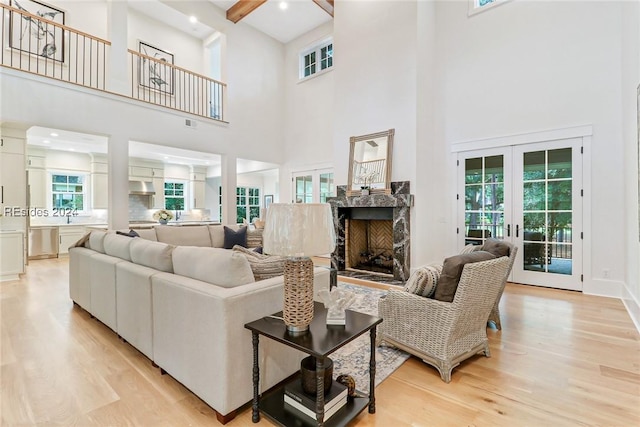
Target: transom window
pixel 67 191
pixel 476 6
pixel 174 196
pixel 316 58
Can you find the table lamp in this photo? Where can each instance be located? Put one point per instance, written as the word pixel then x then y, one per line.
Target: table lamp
pixel 298 231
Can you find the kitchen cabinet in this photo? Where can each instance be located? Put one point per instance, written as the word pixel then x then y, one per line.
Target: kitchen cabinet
pixel 11 145
pixel 99 191
pixel 37 188
pixel 13 180
pixel 197 188
pixel 158 198
pixel 69 235
pixel 145 172
pixel 12 260
pixel 36 162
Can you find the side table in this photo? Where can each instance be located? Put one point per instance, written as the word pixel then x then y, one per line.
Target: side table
pixel 320 341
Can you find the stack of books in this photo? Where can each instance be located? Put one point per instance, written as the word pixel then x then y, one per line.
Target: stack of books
pixel 296 400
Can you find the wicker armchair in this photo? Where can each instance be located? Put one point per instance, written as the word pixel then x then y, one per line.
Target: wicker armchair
pixel 495 312
pixel 445 333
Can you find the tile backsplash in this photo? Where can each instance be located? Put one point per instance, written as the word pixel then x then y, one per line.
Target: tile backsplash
pixel 139 207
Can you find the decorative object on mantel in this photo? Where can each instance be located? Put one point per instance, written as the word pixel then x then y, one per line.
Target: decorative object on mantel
pixel 162 216
pixel 370 163
pixel 336 302
pixel 298 231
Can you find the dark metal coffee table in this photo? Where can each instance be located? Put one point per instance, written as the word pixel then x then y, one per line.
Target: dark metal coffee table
pixel 319 342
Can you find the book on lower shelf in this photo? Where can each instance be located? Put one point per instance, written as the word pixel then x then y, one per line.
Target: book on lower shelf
pixel 295 397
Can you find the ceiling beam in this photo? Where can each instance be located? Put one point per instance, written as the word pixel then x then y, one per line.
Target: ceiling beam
pixel 242 8
pixel 326 5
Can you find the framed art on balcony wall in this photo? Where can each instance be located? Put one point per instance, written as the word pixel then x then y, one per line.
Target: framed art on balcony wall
pixel 41 34
pixel 155 69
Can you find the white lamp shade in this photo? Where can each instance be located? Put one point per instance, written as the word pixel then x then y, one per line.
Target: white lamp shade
pixel 299 229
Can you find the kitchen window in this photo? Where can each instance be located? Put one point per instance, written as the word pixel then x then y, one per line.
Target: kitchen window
pixel 174 195
pixel 68 191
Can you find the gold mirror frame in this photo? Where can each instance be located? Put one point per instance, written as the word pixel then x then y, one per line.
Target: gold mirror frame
pixel 370 163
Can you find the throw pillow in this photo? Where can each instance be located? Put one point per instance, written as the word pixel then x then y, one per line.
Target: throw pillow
pixel 424 280
pixel 258 249
pixel 470 248
pixel 452 270
pixel 131 233
pixel 498 248
pixel 254 238
pixel 262 266
pixel 232 237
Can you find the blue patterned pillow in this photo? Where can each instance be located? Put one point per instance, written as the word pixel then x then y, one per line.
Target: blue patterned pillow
pixel 423 281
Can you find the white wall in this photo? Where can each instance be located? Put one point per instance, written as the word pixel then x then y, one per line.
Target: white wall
pixel 87 16
pixel 631 135
pixel 375 80
pixel 309 104
pixel 527 66
pixel 187 50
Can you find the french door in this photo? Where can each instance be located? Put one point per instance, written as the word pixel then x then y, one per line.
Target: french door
pixel 312 186
pixel 529 195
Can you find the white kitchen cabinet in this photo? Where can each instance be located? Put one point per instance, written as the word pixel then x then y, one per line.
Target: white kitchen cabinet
pixel 197 190
pixel 99 191
pixel 140 172
pixel 36 162
pixel 158 198
pixel 11 145
pixel 69 235
pixel 37 188
pixel 12 255
pixel 13 180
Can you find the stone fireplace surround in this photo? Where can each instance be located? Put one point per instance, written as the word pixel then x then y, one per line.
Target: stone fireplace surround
pixel 400 200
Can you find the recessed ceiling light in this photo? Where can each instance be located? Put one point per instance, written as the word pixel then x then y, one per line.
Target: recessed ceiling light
pixel 46 141
pixel 72 149
pixel 53 134
pixel 283 5
pixel 193 19
pixel 166 157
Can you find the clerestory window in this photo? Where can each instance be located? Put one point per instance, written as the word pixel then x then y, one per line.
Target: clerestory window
pixel 316 58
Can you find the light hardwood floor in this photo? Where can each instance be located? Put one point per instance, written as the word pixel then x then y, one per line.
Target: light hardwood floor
pixel 562 359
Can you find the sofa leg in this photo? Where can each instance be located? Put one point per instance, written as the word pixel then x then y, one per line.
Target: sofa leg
pixel 223 419
pixel 154 364
pixel 163 372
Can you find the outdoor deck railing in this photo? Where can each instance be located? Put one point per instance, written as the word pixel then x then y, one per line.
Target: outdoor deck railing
pixel 34 43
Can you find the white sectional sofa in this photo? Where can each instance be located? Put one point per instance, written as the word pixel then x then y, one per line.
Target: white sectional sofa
pixel 183 303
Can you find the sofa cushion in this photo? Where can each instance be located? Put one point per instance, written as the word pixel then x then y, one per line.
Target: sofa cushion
pixel 235 237
pixel 254 237
pixel 423 281
pixel 452 270
pixel 196 235
pixel 212 265
pixel 498 248
pixel 470 248
pixel 117 246
pixel 262 266
pixel 96 240
pixel 155 255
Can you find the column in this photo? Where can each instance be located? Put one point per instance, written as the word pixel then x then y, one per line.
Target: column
pixel 117 30
pixel 118 159
pixel 229 184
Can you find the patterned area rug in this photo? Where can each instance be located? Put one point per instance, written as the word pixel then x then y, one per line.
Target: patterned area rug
pixel 353 358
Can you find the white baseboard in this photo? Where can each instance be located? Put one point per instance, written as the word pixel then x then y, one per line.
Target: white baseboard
pixel 604 288
pixel 633 307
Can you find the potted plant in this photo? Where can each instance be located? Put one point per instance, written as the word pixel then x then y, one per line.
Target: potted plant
pixel 364 190
pixel 162 216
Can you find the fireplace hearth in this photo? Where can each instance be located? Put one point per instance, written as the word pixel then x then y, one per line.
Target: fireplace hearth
pixel 373 232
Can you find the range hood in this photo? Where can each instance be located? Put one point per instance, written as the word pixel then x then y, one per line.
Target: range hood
pixel 141 188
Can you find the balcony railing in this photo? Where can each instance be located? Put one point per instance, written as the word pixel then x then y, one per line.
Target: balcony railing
pixel 41 46
pixel 159 82
pixel 38 45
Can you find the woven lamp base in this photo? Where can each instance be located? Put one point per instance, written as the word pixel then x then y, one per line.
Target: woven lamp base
pixel 298 294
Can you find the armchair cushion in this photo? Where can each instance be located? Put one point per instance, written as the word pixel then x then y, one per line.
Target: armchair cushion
pixel 452 270
pixel 424 280
pixel 497 247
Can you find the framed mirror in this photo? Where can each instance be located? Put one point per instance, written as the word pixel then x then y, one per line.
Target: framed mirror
pixel 370 163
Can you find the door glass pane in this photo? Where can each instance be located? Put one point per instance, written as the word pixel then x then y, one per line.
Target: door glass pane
pixel 547 211
pixel 484 199
pixel 303 186
pixel 327 189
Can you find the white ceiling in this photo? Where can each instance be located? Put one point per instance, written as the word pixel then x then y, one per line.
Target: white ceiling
pixel 62 140
pixel 169 16
pixel 299 17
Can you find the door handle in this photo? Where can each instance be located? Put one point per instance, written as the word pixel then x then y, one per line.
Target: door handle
pixel 508 230
pixel 517 230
